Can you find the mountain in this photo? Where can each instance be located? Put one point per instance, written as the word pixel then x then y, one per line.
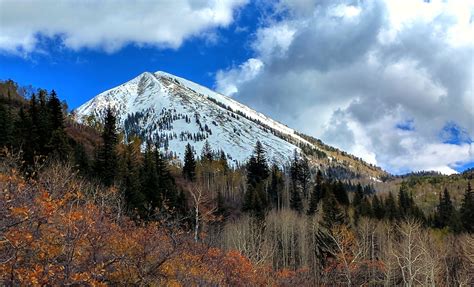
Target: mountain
pixel 173 111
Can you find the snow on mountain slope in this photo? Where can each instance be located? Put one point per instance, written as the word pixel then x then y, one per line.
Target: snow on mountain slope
pixel 174 111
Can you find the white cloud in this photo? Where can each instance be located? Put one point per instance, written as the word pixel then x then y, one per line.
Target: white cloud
pixel 351 72
pixel 108 24
pixel 227 81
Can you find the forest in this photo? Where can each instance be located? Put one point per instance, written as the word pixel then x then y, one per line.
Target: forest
pixel 88 206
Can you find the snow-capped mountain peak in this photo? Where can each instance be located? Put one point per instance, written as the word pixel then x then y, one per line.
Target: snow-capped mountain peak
pixel 174 111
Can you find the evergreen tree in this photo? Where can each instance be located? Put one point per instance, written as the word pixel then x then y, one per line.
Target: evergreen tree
pixel 255 200
pixel 304 176
pixel 223 162
pixel 56 111
pixel 332 214
pixel 43 123
pixel 131 186
pixel 317 194
pixel 467 210
pixel 206 154
pixel 391 210
pixel 6 123
pixel 81 160
pixel 166 184
pixel 296 202
pixel 189 168
pixel 358 196
pixel 377 207
pixel 150 182
pixel 444 211
pixel 59 145
pixel 407 206
pixel 107 159
pixel 276 187
pixel 257 167
pixel 221 207
pixel 340 193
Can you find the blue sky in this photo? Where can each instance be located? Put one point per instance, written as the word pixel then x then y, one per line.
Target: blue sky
pixel 388 81
pixel 77 76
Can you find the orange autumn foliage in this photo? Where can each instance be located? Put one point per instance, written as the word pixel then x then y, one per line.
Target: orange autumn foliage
pixel 53 234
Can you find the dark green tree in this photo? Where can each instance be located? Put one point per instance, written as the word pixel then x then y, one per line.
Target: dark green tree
pixel 277 184
pixel 107 159
pixel 317 194
pixel 332 213
pixel 378 210
pixel 304 177
pixel 81 160
pixel 131 185
pixel 391 210
pixel 56 112
pixel 296 202
pixel 255 199
pixel 150 182
pixel 59 145
pixel 444 211
pixel 221 206
pixel 467 210
pixel 257 167
pixel 340 193
pixel 189 168
pixel 6 123
pixel 206 153
pixel 43 123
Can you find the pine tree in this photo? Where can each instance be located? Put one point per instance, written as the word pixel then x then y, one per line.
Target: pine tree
pixel 305 177
pixel 296 202
pixel 257 168
pixel 332 214
pixel 406 205
pixel 444 210
pixel 166 184
pixel 107 159
pixel 467 210
pixel 317 194
pixel 377 207
pixel 391 210
pixel 223 162
pixel 6 123
pixel 43 123
pixel 56 111
pixel 189 168
pixel 255 200
pixel 59 145
pixel 150 182
pixel 276 187
pixel 206 154
pixel 134 198
pixel 221 207
pixel 340 193
pixel 81 160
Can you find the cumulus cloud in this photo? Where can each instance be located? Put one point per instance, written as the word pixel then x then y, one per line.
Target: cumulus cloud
pixel 354 73
pixel 109 24
pixel 227 81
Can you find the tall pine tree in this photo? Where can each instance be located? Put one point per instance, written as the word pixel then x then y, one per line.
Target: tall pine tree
pixel 255 199
pixel 467 210
pixel 107 159
pixel 189 168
